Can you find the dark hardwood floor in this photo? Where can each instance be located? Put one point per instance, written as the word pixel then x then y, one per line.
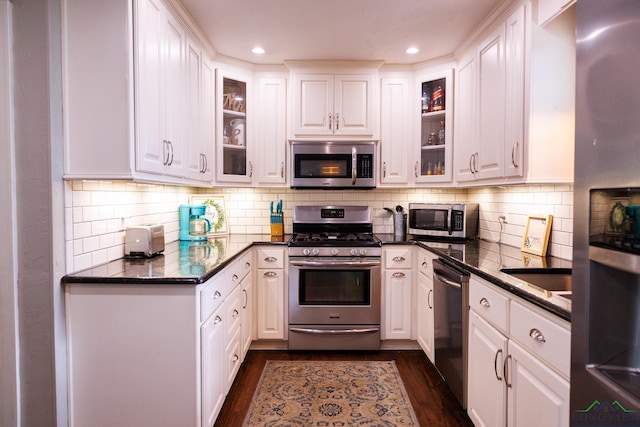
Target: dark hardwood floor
pixel 432 401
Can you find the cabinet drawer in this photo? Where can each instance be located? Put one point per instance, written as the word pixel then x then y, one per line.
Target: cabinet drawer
pixel 233 313
pixel 489 303
pixel 398 258
pixel 542 336
pixel 239 269
pixel 211 296
pixel 270 258
pixel 425 263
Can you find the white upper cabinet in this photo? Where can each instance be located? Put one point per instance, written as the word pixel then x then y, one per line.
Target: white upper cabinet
pixel 396 133
pixel 332 101
pixel 271 130
pixel 144 119
pixel 505 130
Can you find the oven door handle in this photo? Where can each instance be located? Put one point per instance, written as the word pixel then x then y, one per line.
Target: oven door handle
pixel 329 264
pixel 335 331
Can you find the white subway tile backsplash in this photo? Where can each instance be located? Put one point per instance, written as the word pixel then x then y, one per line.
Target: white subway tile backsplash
pixel 100 211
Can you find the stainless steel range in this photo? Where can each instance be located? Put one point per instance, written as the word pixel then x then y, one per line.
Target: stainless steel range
pixel 334 279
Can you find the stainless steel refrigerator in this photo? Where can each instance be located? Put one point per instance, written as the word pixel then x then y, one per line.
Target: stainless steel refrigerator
pixel 605 348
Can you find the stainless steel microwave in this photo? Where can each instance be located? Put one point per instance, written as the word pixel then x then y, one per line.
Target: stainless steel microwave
pixel 444 220
pixel 333 165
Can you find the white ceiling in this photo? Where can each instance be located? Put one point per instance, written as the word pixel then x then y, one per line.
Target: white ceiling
pixel 338 29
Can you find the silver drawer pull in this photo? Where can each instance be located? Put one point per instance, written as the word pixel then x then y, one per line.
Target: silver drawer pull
pixel 235 312
pixel 217 320
pixel 485 302
pixel 537 335
pixel 399 259
pixel 424 264
pixel 270 274
pixel 247 265
pixel 234 277
pixel 235 358
pixel 217 295
pixel 271 259
pixel 398 274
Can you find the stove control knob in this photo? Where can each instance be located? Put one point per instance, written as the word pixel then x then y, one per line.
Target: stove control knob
pixel 353 252
pixel 363 252
pixel 315 252
pixel 334 252
pixel 305 252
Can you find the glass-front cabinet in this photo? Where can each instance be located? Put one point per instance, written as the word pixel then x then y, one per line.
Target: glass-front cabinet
pixel 436 148
pixel 232 160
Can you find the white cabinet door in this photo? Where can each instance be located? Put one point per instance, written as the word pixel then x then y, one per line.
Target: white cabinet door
pixel 397 304
pixel 537 396
pixel 424 307
pixel 271 304
pixel 207 120
pixel 487 396
pixel 193 104
pixel 160 82
pixel 247 314
pixel 514 97
pixel 313 107
pixel 213 376
pixel 271 133
pixel 491 89
pixel 395 130
pixel 466 111
pixel 151 145
pixel 354 105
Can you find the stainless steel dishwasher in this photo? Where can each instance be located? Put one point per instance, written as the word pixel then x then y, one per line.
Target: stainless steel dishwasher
pixel 451 312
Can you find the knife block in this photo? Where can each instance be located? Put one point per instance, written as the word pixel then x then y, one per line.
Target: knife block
pixel 277 225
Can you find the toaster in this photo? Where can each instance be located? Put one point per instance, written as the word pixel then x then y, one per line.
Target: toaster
pixel 144 240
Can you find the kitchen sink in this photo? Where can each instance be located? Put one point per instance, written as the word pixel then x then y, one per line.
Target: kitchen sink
pixel 550 280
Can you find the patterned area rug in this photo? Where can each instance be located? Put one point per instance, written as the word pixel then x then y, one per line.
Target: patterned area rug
pixel 324 393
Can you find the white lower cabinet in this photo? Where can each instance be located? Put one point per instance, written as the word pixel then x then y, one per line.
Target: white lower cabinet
pixel 397 284
pixel 155 354
pixel 271 301
pixel 518 361
pixel 424 304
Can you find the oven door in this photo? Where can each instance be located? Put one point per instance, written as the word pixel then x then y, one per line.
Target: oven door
pixel 333 291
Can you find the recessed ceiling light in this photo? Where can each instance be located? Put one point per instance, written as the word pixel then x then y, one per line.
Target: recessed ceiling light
pixel 412 50
pixel 258 50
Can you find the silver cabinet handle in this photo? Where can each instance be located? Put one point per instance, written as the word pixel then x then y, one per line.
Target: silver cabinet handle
pixel 270 274
pixel 330 121
pixel 495 364
pixel 337 121
pixel 217 295
pixel 425 264
pixel 281 169
pixel 505 371
pixel 398 274
pixel 235 313
pixel 250 169
pixel 399 259
pixel 247 265
pixel 537 335
pixel 384 169
pixel 471 163
pixel 514 154
pixel 170 158
pixel 429 296
pixel 234 277
pixel 485 302
pixel 416 169
pixel 271 259
pixel 217 320
pixel 165 152
pixel 235 358
pixel 246 299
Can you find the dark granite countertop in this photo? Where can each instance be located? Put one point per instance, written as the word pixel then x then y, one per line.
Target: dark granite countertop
pixel 191 263
pixel 485 259
pixel 188 263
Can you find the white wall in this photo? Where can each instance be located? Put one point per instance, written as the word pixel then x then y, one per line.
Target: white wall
pixel 98 212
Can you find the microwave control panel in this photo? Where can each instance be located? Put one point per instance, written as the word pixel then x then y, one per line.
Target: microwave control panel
pixel 365 166
pixel 457 220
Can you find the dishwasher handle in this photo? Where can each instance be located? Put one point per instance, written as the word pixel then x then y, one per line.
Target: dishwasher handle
pixel 448 274
pixel 446 281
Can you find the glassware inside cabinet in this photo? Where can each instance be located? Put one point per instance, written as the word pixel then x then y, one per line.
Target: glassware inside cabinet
pixel 433 129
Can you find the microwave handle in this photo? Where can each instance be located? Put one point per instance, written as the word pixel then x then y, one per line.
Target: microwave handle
pixel 450 225
pixel 354 165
